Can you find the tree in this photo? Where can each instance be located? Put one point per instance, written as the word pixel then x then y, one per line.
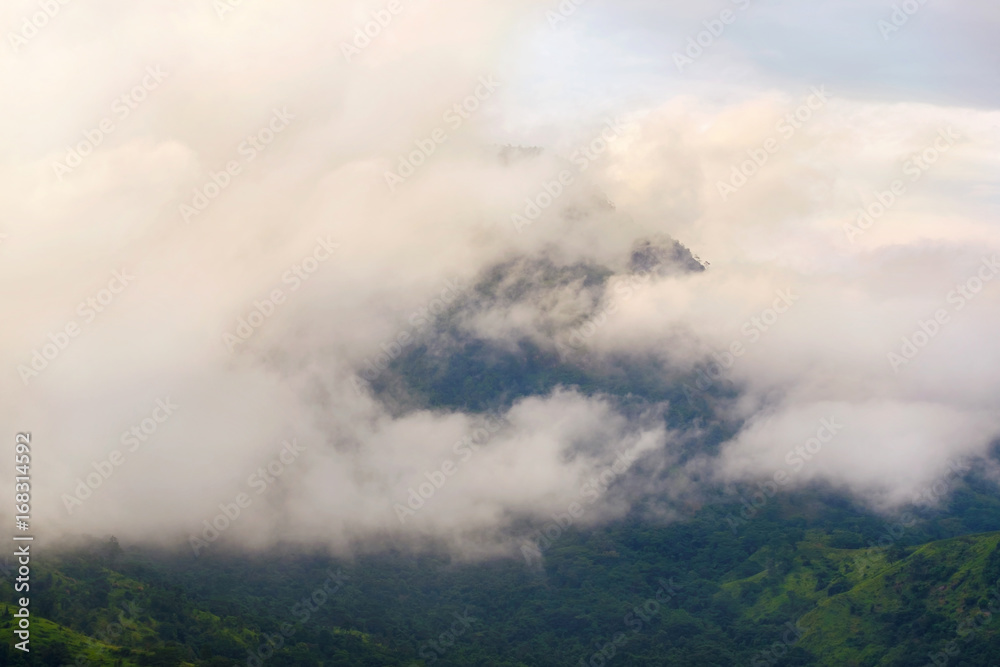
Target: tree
pixel 112 552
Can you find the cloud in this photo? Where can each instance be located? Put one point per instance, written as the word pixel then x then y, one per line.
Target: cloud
pixel 257 308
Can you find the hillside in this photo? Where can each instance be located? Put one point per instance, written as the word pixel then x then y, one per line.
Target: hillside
pixel 784 590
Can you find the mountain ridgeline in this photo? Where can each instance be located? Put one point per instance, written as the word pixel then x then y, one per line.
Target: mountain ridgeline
pixel 806 577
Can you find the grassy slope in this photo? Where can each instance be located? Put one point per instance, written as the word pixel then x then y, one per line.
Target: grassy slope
pixel 942 581
pixel 47 633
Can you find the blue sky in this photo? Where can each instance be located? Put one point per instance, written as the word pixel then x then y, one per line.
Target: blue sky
pixel 946 53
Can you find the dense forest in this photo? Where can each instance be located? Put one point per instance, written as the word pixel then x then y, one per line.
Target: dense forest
pixel 808 580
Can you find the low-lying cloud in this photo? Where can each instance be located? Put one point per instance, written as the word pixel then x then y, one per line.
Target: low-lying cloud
pixel 257 316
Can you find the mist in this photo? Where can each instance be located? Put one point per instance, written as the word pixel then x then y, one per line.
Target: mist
pixel 203 298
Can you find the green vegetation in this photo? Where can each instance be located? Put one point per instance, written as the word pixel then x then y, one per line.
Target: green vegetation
pixel 779 590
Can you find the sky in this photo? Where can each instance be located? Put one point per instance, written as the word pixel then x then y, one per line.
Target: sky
pixel 216 215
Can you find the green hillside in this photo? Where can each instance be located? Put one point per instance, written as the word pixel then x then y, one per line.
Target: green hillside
pixel 872 607
pixel 782 591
